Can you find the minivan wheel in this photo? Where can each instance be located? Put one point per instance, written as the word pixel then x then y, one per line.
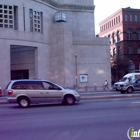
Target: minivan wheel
pixel 23 102
pixel 69 100
pixel 130 90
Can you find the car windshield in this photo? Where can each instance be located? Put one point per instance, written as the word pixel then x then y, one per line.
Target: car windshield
pixel 123 79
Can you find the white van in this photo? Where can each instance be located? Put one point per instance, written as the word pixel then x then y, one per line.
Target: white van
pixel 126 79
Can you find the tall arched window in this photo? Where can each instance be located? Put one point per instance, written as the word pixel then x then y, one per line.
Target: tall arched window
pixel 113 38
pixel 114 52
pixel 138 50
pixel 116 20
pixel 126 17
pixel 129 34
pixel 138 34
pixel 118 35
pixel 136 18
pixel 119 50
pixel 131 18
pixel 130 50
pixel 119 19
pixel 109 38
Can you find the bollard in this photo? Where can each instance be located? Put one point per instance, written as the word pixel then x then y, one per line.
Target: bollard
pixel 104 87
pixel 95 88
pixel 86 89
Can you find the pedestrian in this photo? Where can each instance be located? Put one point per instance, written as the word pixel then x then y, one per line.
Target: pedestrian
pixel 106 84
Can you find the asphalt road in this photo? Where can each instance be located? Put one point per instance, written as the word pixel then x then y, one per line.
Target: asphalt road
pixel 106 119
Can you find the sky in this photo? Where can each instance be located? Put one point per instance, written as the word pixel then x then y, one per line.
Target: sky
pixel 105 8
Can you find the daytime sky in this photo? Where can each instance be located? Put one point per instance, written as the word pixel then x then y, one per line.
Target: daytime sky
pixel 105 8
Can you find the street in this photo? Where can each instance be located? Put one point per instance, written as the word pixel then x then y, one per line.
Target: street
pixel 106 119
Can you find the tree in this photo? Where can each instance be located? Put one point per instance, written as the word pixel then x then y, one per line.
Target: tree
pixel 119 67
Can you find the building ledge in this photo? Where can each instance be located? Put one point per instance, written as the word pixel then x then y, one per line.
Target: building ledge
pixel 71 7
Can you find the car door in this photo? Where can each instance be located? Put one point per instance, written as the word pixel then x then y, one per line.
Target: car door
pixel 53 93
pixel 36 92
pixel 137 85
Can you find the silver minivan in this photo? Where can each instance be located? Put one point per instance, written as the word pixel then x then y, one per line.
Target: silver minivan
pixel 26 92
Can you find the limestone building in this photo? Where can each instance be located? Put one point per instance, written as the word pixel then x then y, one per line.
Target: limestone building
pixel 54 40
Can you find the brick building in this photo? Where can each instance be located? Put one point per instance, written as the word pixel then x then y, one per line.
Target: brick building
pixel 123 29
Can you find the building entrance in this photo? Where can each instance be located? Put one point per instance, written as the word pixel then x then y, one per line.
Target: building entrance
pixel 22 62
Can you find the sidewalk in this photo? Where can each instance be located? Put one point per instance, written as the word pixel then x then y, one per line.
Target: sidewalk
pixel 94 95
pixel 107 95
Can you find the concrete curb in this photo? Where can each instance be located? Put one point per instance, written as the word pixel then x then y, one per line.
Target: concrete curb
pixel 110 96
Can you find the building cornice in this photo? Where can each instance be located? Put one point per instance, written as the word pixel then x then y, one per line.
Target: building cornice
pixel 66 7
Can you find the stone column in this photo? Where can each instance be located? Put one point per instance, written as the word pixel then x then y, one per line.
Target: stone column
pixel 5 68
pixel 61 54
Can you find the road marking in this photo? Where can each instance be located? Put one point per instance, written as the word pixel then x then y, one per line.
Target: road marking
pixel 138 102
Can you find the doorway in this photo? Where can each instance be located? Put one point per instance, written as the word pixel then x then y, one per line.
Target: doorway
pixel 22 62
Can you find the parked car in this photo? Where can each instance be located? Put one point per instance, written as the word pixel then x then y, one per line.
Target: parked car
pixel 129 87
pixel 26 92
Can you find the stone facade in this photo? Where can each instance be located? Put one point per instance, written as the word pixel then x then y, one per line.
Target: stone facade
pixel 34 45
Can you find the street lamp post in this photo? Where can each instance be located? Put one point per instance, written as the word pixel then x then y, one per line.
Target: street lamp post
pixel 76 77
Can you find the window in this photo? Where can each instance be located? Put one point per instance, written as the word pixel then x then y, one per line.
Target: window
pixel 119 19
pixel 100 29
pixel 31 19
pixel 138 81
pixel 136 18
pixel 126 17
pixel 113 38
pixel 129 35
pixel 109 23
pixel 9 16
pixel 118 35
pixel 116 20
pixel 29 85
pixel 50 86
pixel 36 21
pixel 114 52
pixel 130 50
pixel 138 34
pixel 131 19
pixel 15 17
pixel 138 50
pixel 119 50
pixel 109 38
